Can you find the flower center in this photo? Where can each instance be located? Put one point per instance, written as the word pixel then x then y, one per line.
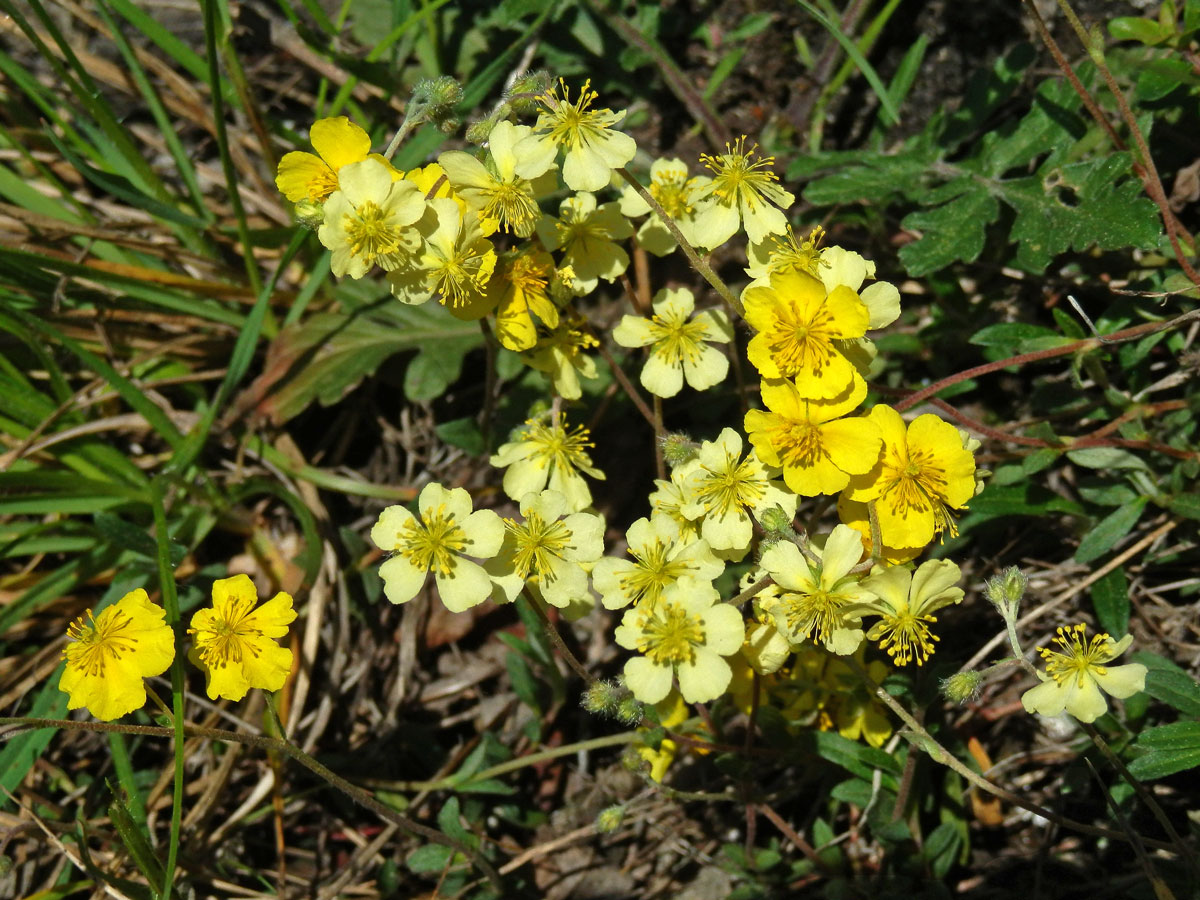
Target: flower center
pixel 100 640
pixel 676 340
pixel 434 544
pixel 670 635
pixel 559 446
pixel 730 488
pixel 906 637
pixel 653 571
pixel 816 615
pixel 368 233
pixel 798 442
pixel 512 206
pixel 673 193
pixel 1081 657
pixel 538 542
pixel 738 178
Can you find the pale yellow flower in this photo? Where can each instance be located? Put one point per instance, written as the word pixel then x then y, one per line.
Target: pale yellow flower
pixel 367 220
pixel 1076 680
pixel 744 192
pixel 453 263
pixel 675 191
pixel 591 148
pixel 587 235
pixel 541 456
pixel 659 559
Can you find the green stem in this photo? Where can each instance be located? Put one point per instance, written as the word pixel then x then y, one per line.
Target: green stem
pixel 166 580
pixel 705 270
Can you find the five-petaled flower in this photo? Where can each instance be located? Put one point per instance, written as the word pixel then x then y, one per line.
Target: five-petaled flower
pixel 338 142
pixel 905 602
pixel 679 343
pixel 235 643
pixel 660 558
pixel 592 149
pixel 742 191
pixel 1076 680
pixel 109 655
pixel 439 541
pixel 541 456
pixel 687 633
pixel 367 219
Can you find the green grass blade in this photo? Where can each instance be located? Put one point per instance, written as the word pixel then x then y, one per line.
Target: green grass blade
pixel 852 51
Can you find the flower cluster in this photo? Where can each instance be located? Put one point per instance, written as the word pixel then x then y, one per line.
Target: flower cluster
pixel 518 234
pixel 109 655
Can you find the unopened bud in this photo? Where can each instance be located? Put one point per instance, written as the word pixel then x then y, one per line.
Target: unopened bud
pixel 609 819
pixel 602 698
pixel 478 132
pixel 629 711
pixel 962 686
pixel 1005 591
pixel 776 521
pixel 310 213
pixel 677 448
pixel 522 96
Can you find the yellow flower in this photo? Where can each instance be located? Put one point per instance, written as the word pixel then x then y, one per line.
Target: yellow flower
pixel 438 541
pixel 234 643
pixel 587 235
pixel 367 219
pixel 338 142
pixel 800 327
pixel 924 472
pixel 548 455
pixel 560 354
pixel 839 267
pixel 591 148
pixel 819 600
pixel 742 191
pixel 109 655
pixel 679 343
pixel 454 263
pixel 503 199
pixel 518 292
pixel 551 546
pixel 725 488
pixel 660 558
pixel 1076 680
pixel 687 634
pixel 905 602
pixel 676 193
pixel 668 499
pixel 816 448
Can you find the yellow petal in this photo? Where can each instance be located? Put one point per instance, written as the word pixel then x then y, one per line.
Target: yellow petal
pixel 302 176
pixel 339 141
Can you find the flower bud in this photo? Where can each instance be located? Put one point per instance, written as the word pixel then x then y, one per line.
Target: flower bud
pixel 609 819
pixel 677 448
pixel 1005 591
pixel 629 711
pixel 776 520
pixel 962 686
pixel 523 94
pixel 602 698
pixel 310 213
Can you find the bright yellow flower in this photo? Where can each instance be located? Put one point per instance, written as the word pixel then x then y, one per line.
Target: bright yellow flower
pixel 679 343
pixel 800 327
pixel 905 602
pixel 816 448
pixel 687 633
pixel 234 643
pixel 438 541
pixel 108 656
pixel 924 472
pixel 338 142
pixel 1076 680
pixel 551 456
pixel 367 219
pixel 591 148
pixel 587 235
pixel 659 558
pixel 518 292
pixel 743 191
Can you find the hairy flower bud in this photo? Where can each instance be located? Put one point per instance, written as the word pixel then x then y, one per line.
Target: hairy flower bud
pixel 310 213
pixel 962 686
pixel 602 698
pixel 677 448
pixel 1005 591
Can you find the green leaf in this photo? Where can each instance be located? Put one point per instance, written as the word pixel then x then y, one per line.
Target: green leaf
pixel 1186 505
pixel 941 848
pixel 856 758
pixel 950 232
pixel 1110 598
pixel 327 355
pixel 1011 337
pixel 430 859
pixel 1167 682
pixel 1106 458
pixel 1135 28
pixel 1096 202
pixel 434 370
pixel 1171 748
pixel 462 433
pixel 23 749
pixel 1109 530
pixel 1019 500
